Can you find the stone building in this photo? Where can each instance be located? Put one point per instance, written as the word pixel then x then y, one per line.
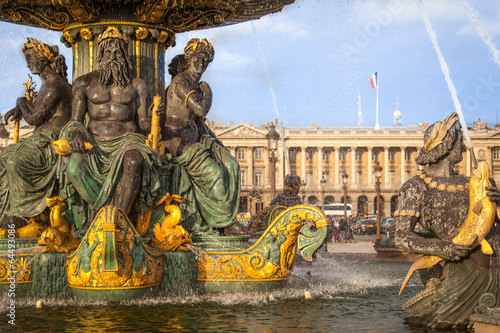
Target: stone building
pixel 319 155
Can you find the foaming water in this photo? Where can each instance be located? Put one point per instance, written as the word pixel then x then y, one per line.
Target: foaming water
pixel 336 305
pixel 482 32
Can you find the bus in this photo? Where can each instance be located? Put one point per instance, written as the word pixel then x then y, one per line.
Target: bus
pixel 337 210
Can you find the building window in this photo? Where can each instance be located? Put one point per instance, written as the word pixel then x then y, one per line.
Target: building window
pixel 325 155
pixel 258 178
pixel 407 155
pixel 391 155
pixel 374 155
pixel 241 154
pixel 392 177
pixel 359 177
pixel 342 155
pixel 309 154
pixel 359 153
pixel 258 153
pixel 243 177
pixel 309 178
pixel 496 153
pixel 326 176
pixel 292 155
pixel 408 175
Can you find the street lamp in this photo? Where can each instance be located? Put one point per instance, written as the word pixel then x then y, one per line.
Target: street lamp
pixel 304 191
pixel 272 143
pixel 322 184
pixel 345 176
pixel 378 174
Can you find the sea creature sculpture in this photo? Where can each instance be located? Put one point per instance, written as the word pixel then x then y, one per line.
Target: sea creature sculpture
pixel 477 225
pixel 58 237
pixel 170 235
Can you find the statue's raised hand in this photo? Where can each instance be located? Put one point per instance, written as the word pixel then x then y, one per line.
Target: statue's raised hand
pixel 205 88
pixel 77 141
pixel 13 115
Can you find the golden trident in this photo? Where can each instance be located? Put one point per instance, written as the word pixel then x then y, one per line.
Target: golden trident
pixel 30 95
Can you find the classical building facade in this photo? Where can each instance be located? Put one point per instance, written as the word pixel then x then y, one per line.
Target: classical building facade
pixel 319 155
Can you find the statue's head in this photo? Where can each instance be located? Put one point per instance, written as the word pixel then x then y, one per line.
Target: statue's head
pixel 113 58
pixel 199 50
pixel 178 65
pixel 39 55
pixel 292 183
pixel 441 139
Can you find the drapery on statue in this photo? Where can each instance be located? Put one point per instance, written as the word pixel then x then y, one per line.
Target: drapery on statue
pixel 439 200
pixel 120 169
pixel 28 169
pixel 206 175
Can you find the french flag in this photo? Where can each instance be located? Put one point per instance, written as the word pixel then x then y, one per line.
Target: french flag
pixel 374 80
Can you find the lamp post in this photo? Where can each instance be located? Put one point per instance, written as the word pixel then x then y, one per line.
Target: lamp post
pixel 322 184
pixel 378 174
pixel 304 191
pixel 272 143
pixel 345 176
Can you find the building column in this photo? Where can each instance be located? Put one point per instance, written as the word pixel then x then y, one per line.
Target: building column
pixel 336 176
pixel 303 164
pixel 267 166
pixel 403 165
pixel 353 165
pixel 320 164
pixel 467 162
pixel 386 166
pixel 281 169
pixel 250 178
pixel 370 167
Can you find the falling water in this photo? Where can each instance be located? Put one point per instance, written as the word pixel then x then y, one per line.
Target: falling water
pixel 482 32
pixel 446 72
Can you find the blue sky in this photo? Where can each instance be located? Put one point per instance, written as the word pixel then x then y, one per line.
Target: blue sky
pixel 319 54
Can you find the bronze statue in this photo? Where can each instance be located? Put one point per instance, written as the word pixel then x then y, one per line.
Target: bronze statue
pixel 28 169
pixel 290 196
pixel 120 166
pixel 438 199
pixel 207 174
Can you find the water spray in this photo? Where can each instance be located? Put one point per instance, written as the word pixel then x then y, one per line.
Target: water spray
pixel 446 72
pixel 273 95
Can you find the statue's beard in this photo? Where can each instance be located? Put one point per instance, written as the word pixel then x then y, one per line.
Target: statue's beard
pixel 114 72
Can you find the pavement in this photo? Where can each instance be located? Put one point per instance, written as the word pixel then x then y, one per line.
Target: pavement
pixel 353 247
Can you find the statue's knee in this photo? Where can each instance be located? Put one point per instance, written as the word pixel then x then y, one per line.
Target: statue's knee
pixel 74 167
pixel 132 161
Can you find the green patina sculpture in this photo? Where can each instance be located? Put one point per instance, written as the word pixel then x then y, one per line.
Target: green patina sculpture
pixel 204 172
pixel 120 169
pixel 28 169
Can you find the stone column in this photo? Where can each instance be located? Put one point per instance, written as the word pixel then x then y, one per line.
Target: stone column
pixel 281 169
pixel 303 164
pixel 337 162
pixel 250 178
pixel 370 167
pixel 320 164
pixel 386 166
pixel 467 162
pixel 353 165
pixel 403 165
pixel 267 166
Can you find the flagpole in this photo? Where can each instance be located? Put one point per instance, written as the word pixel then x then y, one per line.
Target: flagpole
pixel 377 126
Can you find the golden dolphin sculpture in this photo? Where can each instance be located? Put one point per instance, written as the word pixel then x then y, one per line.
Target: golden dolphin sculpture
pixel 477 224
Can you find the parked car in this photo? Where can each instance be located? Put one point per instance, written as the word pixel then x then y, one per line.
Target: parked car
pixel 385 222
pixel 364 227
